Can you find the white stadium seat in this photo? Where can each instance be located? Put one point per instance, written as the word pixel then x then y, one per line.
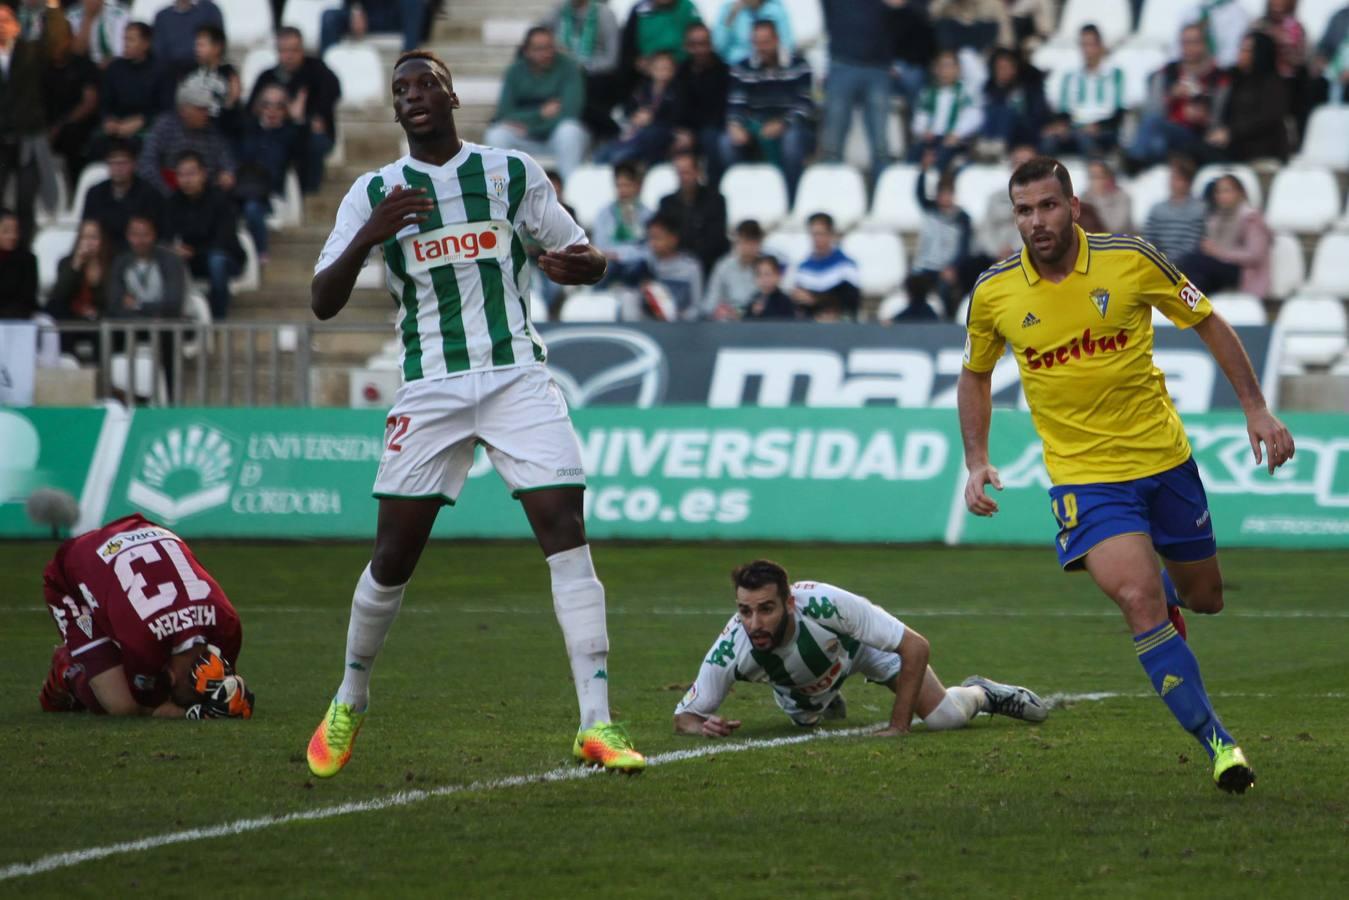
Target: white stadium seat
pixel 361 73
pixel 92 174
pixel 538 309
pixel 976 185
pixel 1315 15
pixel 1245 174
pixel 1049 57
pixel 588 190
pixel 1159 319
pixel 1327 140
pixel 857 145
pixel 256 61
pixel 146 10
pixel 1159 24
pixel 831 188
pixel 505 32
pixel 248 23
pixel 895 204
pixel 791 247
pixel 1138 62
pixel 1315 330
pixel 754 191
pixel 880 260
pixel 1303 200
pixel 1147 190
pixel 660 182
pixel 1113 19
pixel 1288 267
pixel 1239 308
pixel 892 305
pixel 807 21
pixel 589 306
pixel 51 245
pixel 306 15
pixel 1330 266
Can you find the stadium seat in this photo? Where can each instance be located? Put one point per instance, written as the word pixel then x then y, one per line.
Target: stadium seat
pixel 963 310
pixel 660 182
pixel 1315 332
pixel 361 73
pixel 1303 200
pixel 256 61
pixel 43 216
pixel 1315 15
pixel 1159 319
pixel 248 23
pixel 372 274
pixel 138 378
pixel 1239 308
pixel 588 190
pixel 1113 19
pixel 1147 190
pixel 1245 174
pixel 589 306
pixel 976 184
pixel 195 309
pixel 892 306
pixel 895 205
pixel 807 21
pixel 1288 267
pixel 857 146
pixel 306 15
pixel 880 260
pixel 1050 57
pixel 92 174
pixel 505 32
pixel 146 10
pixel 791 247
pixel 51 245
pixel 831 188
pixel 1327 140
pixel 1330 266
pixel 1159 25
pixel 1138 63
pixel 754 191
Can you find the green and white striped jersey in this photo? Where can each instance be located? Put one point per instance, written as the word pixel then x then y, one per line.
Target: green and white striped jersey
pixel 459 278
pixel 832 628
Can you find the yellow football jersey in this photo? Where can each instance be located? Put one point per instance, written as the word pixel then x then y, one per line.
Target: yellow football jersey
pixel 1084 346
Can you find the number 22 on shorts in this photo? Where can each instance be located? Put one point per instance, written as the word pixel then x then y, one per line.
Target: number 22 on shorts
pixel 396 428
pixel 1065 510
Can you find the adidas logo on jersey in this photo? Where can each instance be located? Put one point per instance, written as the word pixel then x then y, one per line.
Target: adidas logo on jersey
pixel 1029 320
pixel 1170 683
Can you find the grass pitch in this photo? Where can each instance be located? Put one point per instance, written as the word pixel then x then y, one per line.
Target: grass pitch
pixel 1109 797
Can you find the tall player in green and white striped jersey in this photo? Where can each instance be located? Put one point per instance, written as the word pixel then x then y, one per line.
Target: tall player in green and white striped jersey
pixel 449 217
pixel 806 639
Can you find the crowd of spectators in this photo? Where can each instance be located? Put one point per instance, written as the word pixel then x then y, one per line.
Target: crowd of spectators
pixel 160 104
pixel 665 85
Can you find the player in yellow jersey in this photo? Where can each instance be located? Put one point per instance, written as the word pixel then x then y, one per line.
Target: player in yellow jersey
pixel 1076 309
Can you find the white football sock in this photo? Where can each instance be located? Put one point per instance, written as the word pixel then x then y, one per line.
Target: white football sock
pixel 578 601
pixel 373 609
pixel 956 709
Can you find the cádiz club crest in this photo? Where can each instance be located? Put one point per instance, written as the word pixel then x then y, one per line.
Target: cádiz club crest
pixel 1100 298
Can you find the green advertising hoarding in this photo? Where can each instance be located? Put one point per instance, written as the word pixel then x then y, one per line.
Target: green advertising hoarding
pixel 868 474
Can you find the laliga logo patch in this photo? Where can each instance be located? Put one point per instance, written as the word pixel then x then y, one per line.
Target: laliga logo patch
pixel 467 242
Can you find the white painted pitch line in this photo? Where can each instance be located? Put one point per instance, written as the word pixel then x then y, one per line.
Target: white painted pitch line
pixel 682 611
pixel 401 798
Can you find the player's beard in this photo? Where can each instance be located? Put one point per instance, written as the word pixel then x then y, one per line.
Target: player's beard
pixel 777 634
pixel 1057 250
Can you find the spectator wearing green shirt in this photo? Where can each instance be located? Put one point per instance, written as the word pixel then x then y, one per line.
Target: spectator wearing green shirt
pixel 541 101
pixel 653 26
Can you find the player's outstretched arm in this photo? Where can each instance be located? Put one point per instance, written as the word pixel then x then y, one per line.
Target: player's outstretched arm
pixel 915 651
pixel 1261 425
pixel 331 288
pixel 577 264
pixel 974 400
pixel 711 726
pixel 111 692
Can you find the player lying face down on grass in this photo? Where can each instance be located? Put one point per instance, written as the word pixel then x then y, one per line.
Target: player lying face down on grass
pixel 145 629
pixel 806 639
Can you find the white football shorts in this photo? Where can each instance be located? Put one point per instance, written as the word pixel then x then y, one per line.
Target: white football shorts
pixel 518 414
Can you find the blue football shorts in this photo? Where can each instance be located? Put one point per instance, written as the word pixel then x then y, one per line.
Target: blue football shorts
pixel 1169 507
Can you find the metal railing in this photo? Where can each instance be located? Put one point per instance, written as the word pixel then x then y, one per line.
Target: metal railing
pixel 179 363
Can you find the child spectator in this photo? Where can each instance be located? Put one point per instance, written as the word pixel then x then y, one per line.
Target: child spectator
pixel 769 301
pixel 1235 251
pixel 943 247
pixel 828 270
pixel 735 279
pixel 1176 225
pixel 948 115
